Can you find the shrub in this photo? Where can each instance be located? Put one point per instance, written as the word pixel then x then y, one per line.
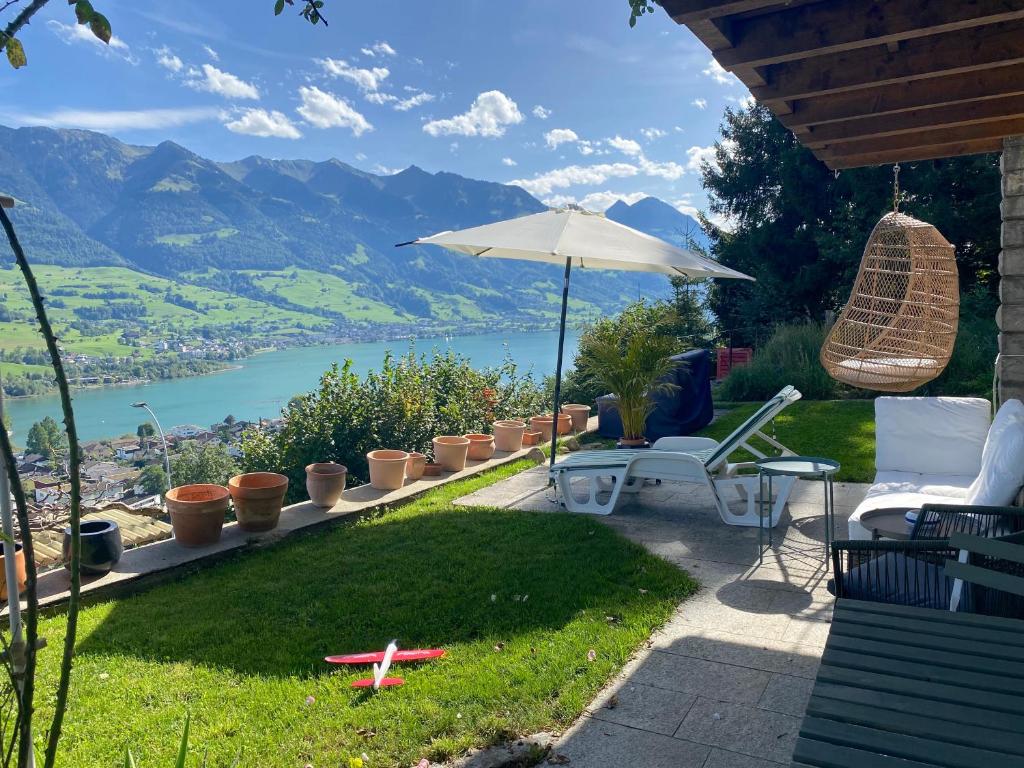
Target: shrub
pixel 404 406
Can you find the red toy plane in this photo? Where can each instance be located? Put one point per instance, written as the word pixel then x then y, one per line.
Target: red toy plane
pixel 385 659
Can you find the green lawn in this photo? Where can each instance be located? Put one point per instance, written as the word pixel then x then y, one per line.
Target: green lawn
pixel 843 430
pixel 517 599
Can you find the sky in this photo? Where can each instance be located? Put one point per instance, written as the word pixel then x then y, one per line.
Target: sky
pixel 561 98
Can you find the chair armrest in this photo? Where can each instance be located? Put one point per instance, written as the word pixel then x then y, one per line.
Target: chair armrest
pixel 899 572
pixel 684 444
pixel 940 521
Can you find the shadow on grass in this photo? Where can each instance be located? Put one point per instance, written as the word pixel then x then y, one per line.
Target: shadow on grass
pixel 439 579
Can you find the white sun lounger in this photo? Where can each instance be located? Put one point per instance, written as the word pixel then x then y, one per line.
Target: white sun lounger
pixel 683 459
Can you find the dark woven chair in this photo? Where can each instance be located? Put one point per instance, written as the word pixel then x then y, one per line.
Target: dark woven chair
pixel 992 574
pixel 913 572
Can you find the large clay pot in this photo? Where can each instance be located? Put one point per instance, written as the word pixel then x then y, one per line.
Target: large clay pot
pixel 532 437
pixel 450 452
pixel 387 469
pixel 258 497
pixel 325 482
pixel 101 546
pixel 564 423
pixel 197 513
pixel 481 447
pixel 19 564
pixel 508 435
pixel 579 415
pixel 415 466
pixel 543 425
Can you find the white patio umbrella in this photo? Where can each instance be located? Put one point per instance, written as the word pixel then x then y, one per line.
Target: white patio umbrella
pixel 574 237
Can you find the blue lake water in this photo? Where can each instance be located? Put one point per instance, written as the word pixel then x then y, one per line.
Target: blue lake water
pixel 263 384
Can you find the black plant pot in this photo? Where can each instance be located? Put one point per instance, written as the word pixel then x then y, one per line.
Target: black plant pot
pixel 101 546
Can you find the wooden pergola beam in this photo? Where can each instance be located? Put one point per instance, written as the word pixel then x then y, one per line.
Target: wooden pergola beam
pixel 900 97
pixel 914 121
pixel 968 50
pixel 929 138
pixel 689 11
pixel 824 28
pixel 889 157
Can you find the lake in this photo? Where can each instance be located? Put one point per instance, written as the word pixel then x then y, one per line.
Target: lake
pixel 263 384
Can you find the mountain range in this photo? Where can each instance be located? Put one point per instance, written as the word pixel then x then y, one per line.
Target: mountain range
pixel 89 200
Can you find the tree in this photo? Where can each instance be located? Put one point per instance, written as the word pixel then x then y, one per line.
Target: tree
pixel 153 479
pixel 230 420
pixel 45 438
pixel 800 229
pixel 146 429
pixel 210 463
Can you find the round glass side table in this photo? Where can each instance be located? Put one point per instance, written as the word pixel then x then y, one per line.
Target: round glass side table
pixel 802 467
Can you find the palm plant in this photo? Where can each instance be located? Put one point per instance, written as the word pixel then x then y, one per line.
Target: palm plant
pixel 631 360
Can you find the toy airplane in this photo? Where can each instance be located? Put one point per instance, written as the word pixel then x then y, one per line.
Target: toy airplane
pixel 385 659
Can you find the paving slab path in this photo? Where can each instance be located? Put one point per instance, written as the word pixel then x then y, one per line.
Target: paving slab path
pixel 725 682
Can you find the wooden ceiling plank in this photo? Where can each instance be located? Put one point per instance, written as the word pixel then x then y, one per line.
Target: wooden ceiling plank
pixel 689 11
pixel 908 156
pixel 821 28
pixel 968 50
pixel 912 121
pixel 900 97
pixel 998 129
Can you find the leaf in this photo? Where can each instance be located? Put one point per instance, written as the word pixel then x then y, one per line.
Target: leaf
pixel 129 759
pixel 183 749
pixel 15 53
pixel 278 7
pixel 101 27
pixel 84 11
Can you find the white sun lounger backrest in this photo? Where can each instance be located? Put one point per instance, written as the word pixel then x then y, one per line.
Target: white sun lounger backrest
pixel 752 426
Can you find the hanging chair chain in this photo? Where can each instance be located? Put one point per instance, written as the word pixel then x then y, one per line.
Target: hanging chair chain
pixel 896 188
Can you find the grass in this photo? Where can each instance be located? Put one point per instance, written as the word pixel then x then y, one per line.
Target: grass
pixel 318 290
pixel 517 599
pixel 843 430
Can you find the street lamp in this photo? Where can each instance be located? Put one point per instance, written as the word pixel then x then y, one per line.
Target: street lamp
pixel 167 455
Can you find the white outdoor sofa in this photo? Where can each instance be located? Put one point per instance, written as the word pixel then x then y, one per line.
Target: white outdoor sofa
pixel 943 450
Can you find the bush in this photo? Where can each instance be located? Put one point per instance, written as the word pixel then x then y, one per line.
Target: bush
pixel 790 356
pixel 404 406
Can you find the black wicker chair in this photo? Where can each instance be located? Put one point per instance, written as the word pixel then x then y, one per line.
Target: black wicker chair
pixel 913 572
pixel 991 572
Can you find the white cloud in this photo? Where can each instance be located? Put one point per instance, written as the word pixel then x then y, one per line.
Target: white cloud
pixel 368 80
pixel 557 136
pixel 587 147
pixel 625 146
pixel 719 74
pixel 71 34
pixel 166 59
pixel 214 56
pixel 669 171
pixel 697 156
pixel 222 83
pixel 595 201
pixel 379 97
pixel 699 103
pixel 360 156
pixel 508 161
pixel 489 115
pixel 404 105
pixel 542 113
pixel 544 184
pixel 117 120
pixel 379 49
pixel 325 110
pixel 263 123
pixel 383 170
pixel 653 133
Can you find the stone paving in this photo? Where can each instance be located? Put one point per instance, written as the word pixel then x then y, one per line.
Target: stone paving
pixel 725 682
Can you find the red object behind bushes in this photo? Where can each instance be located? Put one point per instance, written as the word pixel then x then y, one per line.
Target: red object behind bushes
pixel 728 357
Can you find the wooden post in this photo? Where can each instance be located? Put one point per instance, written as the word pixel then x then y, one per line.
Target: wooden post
pixel 1010 316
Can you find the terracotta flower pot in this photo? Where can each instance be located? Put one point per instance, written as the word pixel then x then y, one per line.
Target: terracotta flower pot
pixel 542 424
pixel 19 563
pixel 564 423
pixel 531 437
pixel 387 469
pixel 197 513
pixel 481 447
pixel 508 435
pixel 432 469
pixel 579 415
pixel 450 452
pixel 415 465
pixel 258 497
pixel 325 482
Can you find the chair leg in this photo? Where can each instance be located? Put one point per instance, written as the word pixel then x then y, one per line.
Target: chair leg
pixel 746 486
pixel 590 480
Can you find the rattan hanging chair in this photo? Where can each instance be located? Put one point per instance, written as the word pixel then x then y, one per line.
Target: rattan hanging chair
pixel 898 329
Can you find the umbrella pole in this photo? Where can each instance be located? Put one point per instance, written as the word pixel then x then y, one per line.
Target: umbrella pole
pixel 558 365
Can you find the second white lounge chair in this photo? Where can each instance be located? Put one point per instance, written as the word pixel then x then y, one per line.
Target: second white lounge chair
pixel 698 460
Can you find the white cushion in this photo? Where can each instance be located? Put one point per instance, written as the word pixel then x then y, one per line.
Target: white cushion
pixel 930 435
pixel 1002 463
pixel 907 490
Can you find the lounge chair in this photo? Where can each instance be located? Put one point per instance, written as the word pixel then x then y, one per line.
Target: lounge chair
pixel 683 459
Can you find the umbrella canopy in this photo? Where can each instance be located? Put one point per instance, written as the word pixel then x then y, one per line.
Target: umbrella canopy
pixel 583 239
pixel 577 238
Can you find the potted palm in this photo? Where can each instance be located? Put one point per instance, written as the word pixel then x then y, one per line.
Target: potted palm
pixel 631 361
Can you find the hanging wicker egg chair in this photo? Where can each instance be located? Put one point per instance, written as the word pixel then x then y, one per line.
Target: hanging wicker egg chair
pixel 898 329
